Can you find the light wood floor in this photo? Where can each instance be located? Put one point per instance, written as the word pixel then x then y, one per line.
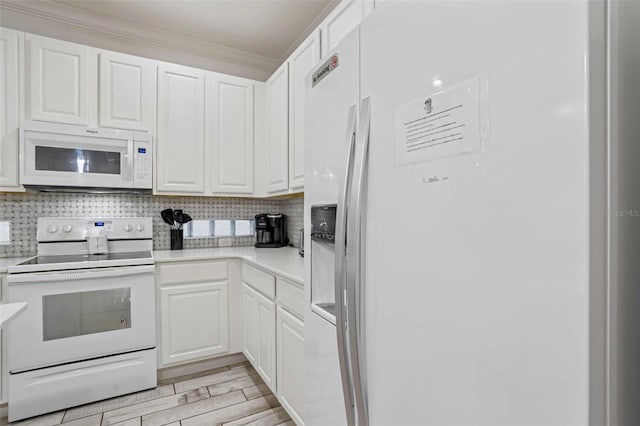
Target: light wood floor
pixel 233 396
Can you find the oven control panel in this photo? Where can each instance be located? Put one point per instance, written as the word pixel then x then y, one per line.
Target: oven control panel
pixel 51 229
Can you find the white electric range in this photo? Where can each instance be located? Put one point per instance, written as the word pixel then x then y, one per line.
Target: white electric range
pixel 89 329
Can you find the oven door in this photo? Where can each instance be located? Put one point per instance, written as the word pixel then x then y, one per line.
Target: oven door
pixel 80 314
pixel 55 155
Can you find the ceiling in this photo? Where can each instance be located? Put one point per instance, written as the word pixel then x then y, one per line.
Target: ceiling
pixel 246 38
pixel 262 27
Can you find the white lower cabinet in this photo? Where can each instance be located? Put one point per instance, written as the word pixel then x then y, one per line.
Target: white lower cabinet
pixel 194 322
pixel 290 355
pixel 260 334
pixel 194 311
pixel 200 301
pixel 266 328
pixel 249 310
pixel 4 376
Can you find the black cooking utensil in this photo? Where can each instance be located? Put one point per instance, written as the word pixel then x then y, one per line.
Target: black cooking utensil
pixel 167 216
pixel 177 217
pixel 185 218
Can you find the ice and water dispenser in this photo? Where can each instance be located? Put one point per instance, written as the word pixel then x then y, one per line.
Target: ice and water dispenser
pixel 322 247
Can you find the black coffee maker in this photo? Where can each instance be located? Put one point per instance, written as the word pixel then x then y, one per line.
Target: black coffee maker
pixel 271 230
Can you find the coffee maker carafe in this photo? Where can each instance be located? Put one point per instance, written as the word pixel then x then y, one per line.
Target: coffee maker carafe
pixel 271 230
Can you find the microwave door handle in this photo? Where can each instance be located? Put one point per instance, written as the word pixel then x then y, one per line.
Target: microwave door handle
pixel 130 165
pixel 340 272
pixel 355 272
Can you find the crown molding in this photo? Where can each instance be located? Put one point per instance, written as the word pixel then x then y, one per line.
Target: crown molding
pixel 313 25
pixel 141 34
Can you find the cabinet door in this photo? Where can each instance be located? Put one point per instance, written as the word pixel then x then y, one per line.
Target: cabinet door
pixel 266 331
pixel 277 130
pixel 126 92
pixel 290 355
pixel 4 382
pixel 9 108
pixel 180 148
pixel 344 18
pixel 194 321
pixel 58 87
pixel 230 111
pixel 300 63
pixel 249 311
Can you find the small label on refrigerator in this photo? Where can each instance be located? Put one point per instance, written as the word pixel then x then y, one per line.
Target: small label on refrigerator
pixel 439 125
pixel 325 69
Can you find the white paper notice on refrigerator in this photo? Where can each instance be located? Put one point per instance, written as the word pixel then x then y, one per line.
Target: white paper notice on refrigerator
pixel 439 125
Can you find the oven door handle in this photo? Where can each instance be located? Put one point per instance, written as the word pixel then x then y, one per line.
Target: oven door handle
pixel 79 274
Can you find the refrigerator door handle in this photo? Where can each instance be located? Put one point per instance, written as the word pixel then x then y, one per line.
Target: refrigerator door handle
pixel 355 259
pixel 340 270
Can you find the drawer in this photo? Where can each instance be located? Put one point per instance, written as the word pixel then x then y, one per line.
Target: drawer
pixel 192 272
pixel 291 296
pixel 263 282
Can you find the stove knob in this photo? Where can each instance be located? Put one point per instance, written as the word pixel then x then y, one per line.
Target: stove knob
pixel 67 228
pixel 53 229
pixel 128 228
pixel 140 227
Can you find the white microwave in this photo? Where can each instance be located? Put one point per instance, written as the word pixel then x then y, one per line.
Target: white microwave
pixel 61 155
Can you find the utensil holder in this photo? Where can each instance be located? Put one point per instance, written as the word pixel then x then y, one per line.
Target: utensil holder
pixel 176 239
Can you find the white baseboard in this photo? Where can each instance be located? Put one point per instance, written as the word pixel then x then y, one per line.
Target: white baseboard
pixel 199 366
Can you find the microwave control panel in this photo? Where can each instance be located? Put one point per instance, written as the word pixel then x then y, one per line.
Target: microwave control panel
pixel 142 164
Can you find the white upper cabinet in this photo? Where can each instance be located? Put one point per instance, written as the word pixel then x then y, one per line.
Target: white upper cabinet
pixel 58 87
pixel 9 108
pixel 301 62
pixel 180 141
pixel 74 84
pixel 230 123
pixel 127 87
pixel 344 18
pixel 278 130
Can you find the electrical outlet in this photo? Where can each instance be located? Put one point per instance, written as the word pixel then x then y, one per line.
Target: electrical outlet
pixel 225 242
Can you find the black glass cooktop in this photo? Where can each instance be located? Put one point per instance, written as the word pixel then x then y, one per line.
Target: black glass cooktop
pixel 74 258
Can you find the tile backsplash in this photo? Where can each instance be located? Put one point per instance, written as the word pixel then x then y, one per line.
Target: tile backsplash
pixel 293 208
pixel 22 210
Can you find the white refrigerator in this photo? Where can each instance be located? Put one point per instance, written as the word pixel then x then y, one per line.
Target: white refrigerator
pixel 465 146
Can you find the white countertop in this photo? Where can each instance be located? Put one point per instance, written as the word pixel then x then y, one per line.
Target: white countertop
pixel 8 311
pixel 284 261
pixel 5 262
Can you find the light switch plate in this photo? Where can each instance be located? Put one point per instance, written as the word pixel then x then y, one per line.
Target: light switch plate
pixel 225 242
